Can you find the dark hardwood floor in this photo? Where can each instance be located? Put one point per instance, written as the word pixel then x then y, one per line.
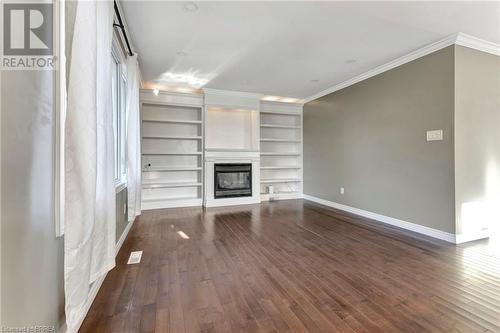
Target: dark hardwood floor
pixel 293 266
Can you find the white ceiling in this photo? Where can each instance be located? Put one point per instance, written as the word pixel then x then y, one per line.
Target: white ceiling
pixel 293 49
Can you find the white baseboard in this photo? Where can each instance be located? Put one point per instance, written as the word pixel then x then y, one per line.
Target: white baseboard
pixel 448 237
pixel 123 237
pixel 464 238
pixel 94 289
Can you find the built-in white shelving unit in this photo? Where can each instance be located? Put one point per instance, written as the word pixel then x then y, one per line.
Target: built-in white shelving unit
pixel 172 149
pixel 185 134
pixel 280 150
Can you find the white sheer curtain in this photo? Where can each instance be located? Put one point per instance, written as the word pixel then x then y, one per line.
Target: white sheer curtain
pixel 90 222
pixel 133 139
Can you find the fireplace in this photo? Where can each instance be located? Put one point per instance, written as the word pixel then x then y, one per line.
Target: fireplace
pixel 232 180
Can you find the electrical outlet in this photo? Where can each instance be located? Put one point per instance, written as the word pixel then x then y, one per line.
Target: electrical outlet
pixel 436 135
pixel 270 189
pixel 342 190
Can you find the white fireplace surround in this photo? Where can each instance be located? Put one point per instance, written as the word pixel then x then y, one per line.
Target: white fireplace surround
pixel 231 157
pixel 233 132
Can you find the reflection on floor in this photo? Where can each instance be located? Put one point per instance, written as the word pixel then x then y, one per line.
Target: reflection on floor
pixel 293 266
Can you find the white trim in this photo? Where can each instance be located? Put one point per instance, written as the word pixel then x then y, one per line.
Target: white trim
pixel 448 237
pixel 214 154
pixel 120 186
pixel 477 44
pixel 172 93
pixel 299 102
pixel 464 238
pixel 124 235
pixel 60 116
pixel 458 39
pixel 255 199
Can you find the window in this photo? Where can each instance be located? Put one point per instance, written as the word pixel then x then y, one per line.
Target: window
pixel 119 91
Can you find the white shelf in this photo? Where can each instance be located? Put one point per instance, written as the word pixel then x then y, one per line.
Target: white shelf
pixel 280 167
pixel 279 140
pixel 173 121
pixel 179 168
pixel 280 180
pixel 170 198
pixel 280 154
pixel 232 150
pixel 153 185
pixel 279 126
pixel 282 113
pixel 174 154
pixel 173 137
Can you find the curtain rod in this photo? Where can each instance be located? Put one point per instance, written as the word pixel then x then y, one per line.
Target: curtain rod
pixel 122 27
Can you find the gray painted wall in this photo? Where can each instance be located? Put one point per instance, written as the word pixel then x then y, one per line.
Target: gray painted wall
pixel 370 138
pixel 477 139
pixel 32 257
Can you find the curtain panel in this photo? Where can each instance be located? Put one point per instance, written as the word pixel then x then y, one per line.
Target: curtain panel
pixel 90 221
pixel 133 139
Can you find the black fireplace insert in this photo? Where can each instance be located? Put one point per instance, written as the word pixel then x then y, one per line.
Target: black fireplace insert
pixel 232 180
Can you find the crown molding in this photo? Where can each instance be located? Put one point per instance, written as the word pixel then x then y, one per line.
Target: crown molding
pixel 210 91
pixel 477 44
pixel 455 39
pixel 428 49
pixel 281 103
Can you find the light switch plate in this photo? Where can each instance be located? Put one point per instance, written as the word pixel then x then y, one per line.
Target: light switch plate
pixel 435 135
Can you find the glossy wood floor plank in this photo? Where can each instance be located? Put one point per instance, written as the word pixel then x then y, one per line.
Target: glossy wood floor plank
pixel 294 266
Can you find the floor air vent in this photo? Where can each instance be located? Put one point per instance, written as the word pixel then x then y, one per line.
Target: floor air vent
pixel 135 257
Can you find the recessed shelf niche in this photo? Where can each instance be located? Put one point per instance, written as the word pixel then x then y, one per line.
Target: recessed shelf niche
pixel 232 129
pixel 172 150
pixel 281 150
